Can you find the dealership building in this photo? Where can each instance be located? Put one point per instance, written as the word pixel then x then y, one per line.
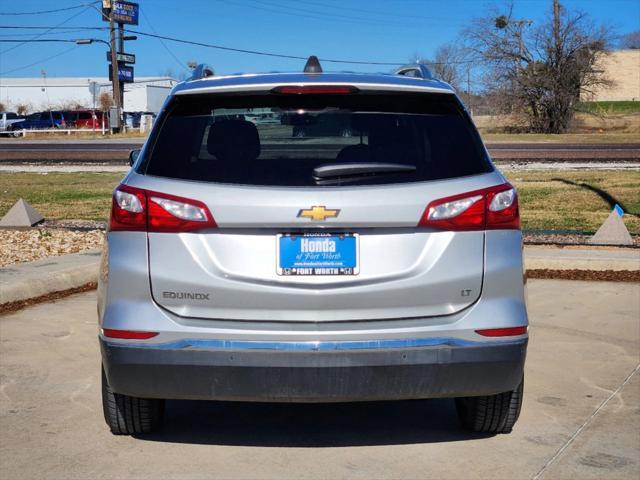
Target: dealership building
pixel 146 94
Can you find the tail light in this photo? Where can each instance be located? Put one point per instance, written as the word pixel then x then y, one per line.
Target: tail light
pixel 488 209
pixel 135 209
pixel 503 332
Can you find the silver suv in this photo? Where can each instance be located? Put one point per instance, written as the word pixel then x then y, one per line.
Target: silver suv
pixel 376 257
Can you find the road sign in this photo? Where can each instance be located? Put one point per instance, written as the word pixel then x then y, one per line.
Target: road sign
pixel 123 57
pixel 125 74
pixel 123 12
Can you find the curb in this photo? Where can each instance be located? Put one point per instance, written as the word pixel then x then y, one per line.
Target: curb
pixel 49 275
pixel 580 258
pixel 22 282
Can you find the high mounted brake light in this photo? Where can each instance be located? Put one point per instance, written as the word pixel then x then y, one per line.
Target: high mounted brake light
pixel 136 209
pixel 315 90
pixel 491 208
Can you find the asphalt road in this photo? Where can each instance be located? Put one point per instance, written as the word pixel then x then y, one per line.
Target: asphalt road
pixel 581 416
pixel 109 151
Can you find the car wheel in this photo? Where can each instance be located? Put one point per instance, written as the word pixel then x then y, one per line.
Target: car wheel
pixel 127 415
pixel 491 413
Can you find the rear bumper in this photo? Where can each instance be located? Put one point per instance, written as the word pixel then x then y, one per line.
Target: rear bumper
pixel 185 371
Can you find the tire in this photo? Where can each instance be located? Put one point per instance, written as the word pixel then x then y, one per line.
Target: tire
pixel 127 415
pixel 491 413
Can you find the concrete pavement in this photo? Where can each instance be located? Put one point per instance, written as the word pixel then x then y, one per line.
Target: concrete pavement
pixel 581 258
pixel 581 415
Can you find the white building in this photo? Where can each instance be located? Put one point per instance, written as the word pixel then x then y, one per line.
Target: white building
pixel 146 94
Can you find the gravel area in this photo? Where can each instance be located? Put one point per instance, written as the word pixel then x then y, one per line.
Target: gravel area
pixel 28 245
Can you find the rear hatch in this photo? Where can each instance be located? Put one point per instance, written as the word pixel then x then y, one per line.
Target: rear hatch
pixel 321 226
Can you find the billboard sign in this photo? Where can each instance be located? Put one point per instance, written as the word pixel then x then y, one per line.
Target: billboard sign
pixel 123 57
pixel 125 74
pixel 124 12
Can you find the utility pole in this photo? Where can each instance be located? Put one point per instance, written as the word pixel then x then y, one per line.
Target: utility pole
pixel 121 49
pixel 115 80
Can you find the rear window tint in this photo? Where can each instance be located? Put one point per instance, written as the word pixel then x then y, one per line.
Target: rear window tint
pixel 282 140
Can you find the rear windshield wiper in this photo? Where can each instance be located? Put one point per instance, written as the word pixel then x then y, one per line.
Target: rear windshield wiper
pixel 335 170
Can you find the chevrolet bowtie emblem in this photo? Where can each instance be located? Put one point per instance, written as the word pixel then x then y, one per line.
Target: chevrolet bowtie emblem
pixel 318 213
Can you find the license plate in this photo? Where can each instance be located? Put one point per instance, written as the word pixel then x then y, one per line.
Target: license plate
pixel 318 254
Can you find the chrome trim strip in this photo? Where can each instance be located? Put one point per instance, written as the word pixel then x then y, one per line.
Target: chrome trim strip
pixel 213 344
pixel 247 87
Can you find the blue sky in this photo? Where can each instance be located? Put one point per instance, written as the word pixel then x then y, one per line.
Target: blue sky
pixel 370 30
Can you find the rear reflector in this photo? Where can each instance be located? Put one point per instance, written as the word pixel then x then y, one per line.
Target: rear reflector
pixel 502 332
pixel 135 209
pixel 315 89
pixel 487 209
pixel 128 334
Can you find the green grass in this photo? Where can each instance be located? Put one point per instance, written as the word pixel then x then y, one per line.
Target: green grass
pixel 610 108
pixel 564 200
pixel 556 200
pixel 60 196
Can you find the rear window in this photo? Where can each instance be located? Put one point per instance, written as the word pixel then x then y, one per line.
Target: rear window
pixel 315 140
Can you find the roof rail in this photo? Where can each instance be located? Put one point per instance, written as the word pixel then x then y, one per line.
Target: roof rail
pixel 417 70
pixel 201 71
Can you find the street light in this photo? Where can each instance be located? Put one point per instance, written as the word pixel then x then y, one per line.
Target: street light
pixel 89 41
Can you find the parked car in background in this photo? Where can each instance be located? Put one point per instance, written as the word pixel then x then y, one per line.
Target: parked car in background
pixel 40 121
pixel 132 119
pixel 91 119
pixel 7 119
pixel 322 125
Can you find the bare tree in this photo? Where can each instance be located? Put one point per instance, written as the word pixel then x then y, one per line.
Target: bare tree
pixel 630 40
pixel 106 101
pixel 22 109
pixel 448 64
pixel 541 71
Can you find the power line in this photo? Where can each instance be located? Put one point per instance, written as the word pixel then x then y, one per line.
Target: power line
pixel 182 65
pixel 43 40
pixel 48 11
pixel 281 55
pixel 46 59
pixel 381 13
pixel 305 13
pixel 256 52
pixel 16 35
pixel 48 30
pixel 20 27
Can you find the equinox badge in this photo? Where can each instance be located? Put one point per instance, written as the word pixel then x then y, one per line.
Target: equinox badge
pixel 318 213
